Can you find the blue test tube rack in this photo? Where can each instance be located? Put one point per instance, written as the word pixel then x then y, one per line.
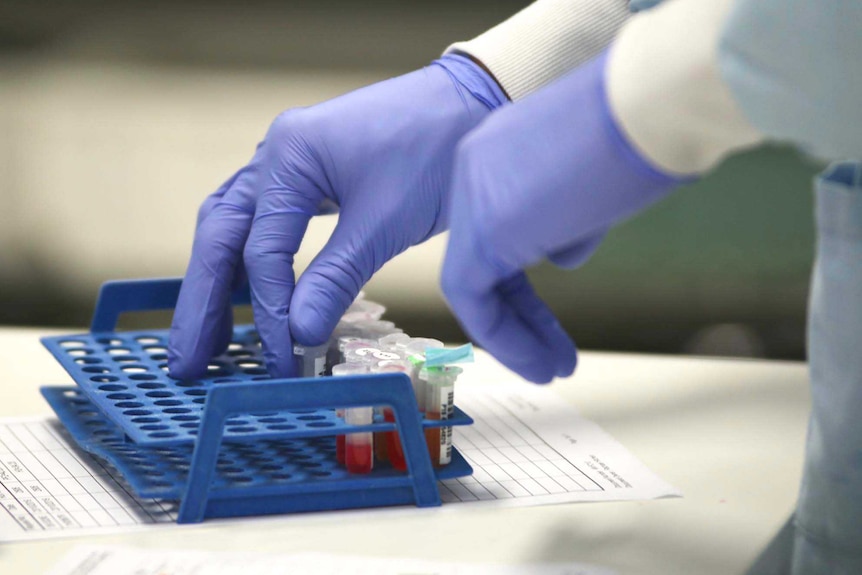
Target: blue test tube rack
pixel 236 442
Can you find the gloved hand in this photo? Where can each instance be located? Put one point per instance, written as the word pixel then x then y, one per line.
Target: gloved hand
pixel 382 154
pixel 542 178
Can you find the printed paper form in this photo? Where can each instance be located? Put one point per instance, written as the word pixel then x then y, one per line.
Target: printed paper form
pixel 527 447
pixel 99 560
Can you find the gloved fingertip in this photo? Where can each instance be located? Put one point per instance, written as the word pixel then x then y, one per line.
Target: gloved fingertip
pixel 308 326
pixel 537 372
pixel 280 365
pixel 567 365
pixel 182 368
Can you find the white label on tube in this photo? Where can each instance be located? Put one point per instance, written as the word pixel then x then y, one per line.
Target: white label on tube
pixel 447 410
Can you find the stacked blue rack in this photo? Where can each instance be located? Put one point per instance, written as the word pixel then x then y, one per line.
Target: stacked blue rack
pixel 236 442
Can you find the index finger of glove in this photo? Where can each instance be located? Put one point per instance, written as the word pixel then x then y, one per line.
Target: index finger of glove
pixel 203 307
pixel 279 224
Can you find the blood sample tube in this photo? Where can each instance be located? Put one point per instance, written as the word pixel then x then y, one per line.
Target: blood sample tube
pixel 440 405
pixel 311 360
pixel 377 329
pixel 359 447
pixel 415 350
pixel 394 450
pixel 399 341
pixel 333 354
pixel 345 369
pixel 346 340
pixel 363 310
pixel 366 351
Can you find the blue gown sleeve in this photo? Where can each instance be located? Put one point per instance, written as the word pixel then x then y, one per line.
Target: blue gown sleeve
pixel 795 69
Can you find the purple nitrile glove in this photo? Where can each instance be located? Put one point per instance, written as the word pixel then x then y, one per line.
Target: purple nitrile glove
pixel 542 178
pixel 382 154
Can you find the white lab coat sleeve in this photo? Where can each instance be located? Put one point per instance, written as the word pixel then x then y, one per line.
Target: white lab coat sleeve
pixel 544 41
pixel 666 91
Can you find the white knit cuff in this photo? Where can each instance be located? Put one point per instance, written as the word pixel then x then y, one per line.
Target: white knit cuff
pixel 544 41
pixel 666 92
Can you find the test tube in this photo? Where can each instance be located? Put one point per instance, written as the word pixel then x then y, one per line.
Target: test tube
pixel 345 369
pixel 311 360
pixel 440 405
pixel 359 447
pixel 333 355
pixel 346 340
pixel 397 340
pixel 363 310
pixel 367 351
pixel 394 450
pixel 376 329
pixel 415 351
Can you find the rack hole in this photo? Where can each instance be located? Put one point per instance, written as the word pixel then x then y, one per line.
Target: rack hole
pixel 151 385
pixel 134 368
pixel 96 369
pixel 148 420
pixel 189 383
pixel 184 417
pixel 311 417
pixel 129 404
pixel 113 387
pixel 117 350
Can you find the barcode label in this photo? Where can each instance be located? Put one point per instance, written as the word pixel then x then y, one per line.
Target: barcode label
pixel 447 410
pixel 445 445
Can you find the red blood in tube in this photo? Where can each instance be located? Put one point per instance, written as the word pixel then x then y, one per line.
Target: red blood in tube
pixel 339 448
pixel 393 444
pixel 359 458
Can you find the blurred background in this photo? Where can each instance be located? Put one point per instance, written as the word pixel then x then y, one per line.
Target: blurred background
pixel 118 118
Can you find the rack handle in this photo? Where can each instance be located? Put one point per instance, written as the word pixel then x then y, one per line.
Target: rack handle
pixel 117 297
pixel 231 399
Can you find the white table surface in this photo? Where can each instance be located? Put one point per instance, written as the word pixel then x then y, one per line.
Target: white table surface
pixel 728 433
